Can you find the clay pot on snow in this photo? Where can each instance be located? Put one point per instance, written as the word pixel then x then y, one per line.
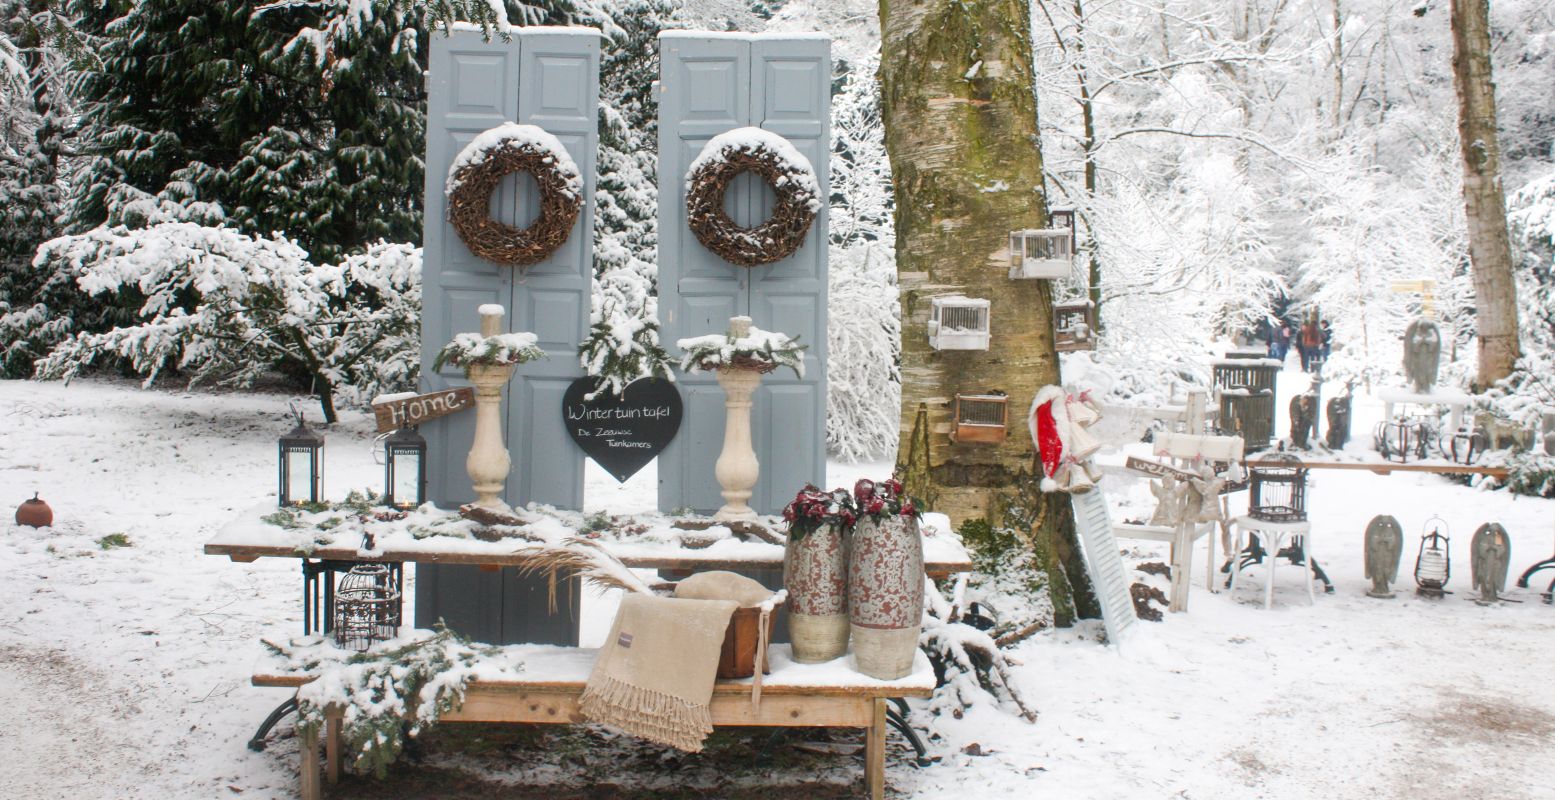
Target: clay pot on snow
pixel 885 594
pixel 34 513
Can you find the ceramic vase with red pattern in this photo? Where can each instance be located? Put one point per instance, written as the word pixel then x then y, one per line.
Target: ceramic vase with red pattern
pixel 885 594
pixel 815 568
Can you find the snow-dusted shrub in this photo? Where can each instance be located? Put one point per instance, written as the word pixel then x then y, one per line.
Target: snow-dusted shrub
pixel 863 391
pixel 223 306
pixel 387 693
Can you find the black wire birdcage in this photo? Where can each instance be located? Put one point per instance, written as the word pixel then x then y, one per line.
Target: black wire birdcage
pixel 1277 489
pixel 367 607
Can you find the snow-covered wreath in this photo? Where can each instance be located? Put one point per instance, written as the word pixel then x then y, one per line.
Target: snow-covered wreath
pixel 774 160
pixel 504 150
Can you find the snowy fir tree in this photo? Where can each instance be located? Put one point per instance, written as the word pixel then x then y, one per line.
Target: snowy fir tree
pixel 44 55
pixel 623 342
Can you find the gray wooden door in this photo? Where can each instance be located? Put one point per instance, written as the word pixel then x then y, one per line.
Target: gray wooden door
pixel 710 84
pixel 548 78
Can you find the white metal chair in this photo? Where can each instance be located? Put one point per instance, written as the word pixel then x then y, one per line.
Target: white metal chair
pixel 1273 537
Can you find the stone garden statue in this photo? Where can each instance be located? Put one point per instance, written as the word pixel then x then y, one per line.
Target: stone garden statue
pixel 1303 417
pixel 1384 545
pixel 1490 554
pixel 1339 420
pixel 1422 354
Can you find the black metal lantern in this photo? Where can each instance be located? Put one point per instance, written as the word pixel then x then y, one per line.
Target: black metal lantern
pixel 1403 438
pixel 405 469
pixel 367 607
pixel 1277 490
pixel 1064 218
pixel 1433 565
pixel 302 466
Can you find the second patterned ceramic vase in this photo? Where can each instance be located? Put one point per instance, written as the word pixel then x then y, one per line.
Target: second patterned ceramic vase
pixel 885 595
pixel 815 574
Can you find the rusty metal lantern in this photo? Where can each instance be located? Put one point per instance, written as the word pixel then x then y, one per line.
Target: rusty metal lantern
pixel 405 469
pixel 1403 438
pixel 1433 564
pixel 1465 445
pixel 1277 489
pixel 367 607
pixel 301 466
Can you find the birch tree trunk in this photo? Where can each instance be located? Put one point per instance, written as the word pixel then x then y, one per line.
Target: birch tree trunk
pixel 1490 250
pixel 959 106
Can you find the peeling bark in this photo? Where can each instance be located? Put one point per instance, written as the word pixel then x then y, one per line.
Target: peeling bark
pixel 1484 201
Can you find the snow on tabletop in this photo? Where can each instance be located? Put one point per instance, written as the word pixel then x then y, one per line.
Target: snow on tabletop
pixel 521 136
pixel 429 530
pixel 550 663
pixel 795 166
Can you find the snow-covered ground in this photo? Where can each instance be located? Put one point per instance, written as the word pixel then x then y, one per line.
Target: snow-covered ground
pixel 123 671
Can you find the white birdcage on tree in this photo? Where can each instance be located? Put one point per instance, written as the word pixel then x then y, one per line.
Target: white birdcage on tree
pixel 1041 253
pixel 959 323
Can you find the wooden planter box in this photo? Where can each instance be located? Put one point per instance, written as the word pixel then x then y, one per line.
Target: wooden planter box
pixel 738 657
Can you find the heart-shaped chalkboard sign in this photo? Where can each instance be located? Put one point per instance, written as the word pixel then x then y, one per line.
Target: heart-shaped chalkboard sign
pixel 622 433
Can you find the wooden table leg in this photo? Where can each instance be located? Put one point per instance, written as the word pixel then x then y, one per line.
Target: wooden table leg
pixel 332 746
pixel 310 764
pixel 874 751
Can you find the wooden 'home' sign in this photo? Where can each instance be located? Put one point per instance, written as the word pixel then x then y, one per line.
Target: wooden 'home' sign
pixel 405 411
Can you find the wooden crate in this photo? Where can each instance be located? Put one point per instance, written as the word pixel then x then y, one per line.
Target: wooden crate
pixel 737 659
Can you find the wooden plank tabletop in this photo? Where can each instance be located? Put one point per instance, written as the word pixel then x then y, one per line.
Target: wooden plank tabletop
pixel 566 670
pixel 1385 467
pixel 668 559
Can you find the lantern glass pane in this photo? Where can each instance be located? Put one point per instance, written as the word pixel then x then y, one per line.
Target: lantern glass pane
pixel 299 475
pixel 405 469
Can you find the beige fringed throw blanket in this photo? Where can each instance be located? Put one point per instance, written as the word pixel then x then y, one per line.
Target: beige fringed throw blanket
pixel 655 673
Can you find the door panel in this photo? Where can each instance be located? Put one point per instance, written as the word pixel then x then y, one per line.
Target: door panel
pixel 709 85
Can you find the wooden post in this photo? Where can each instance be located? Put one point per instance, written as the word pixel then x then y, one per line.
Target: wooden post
pixel 332 719
pixel 309 747
pixel 1182 564
pixel 874 751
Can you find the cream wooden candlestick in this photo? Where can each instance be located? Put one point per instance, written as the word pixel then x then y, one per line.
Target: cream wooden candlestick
pixel 488 462
pixel 737 468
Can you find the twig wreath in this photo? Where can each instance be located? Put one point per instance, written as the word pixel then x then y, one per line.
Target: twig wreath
pixel 504 150
pixel 774 160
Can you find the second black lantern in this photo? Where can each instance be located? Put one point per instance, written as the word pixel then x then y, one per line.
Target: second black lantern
pixel 405 469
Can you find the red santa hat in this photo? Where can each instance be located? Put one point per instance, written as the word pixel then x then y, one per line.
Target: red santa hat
pixel 1050 427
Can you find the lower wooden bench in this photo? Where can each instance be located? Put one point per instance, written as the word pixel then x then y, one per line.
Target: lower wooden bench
pixel 794 695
